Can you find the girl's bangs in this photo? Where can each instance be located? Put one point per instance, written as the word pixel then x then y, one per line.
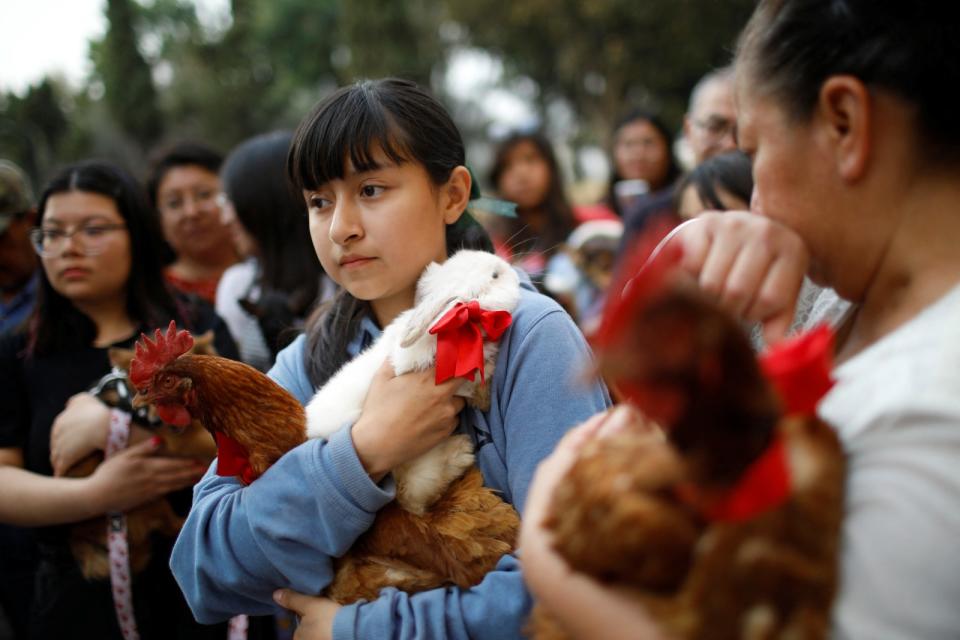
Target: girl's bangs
pixel 353 125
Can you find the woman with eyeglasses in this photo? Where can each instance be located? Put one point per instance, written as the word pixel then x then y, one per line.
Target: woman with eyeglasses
pixel 100 286
pixel 184 187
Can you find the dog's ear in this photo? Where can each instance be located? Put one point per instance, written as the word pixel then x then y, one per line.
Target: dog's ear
pixel 203 344
pixel 120 358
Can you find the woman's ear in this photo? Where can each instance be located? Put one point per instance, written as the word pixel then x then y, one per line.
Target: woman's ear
pixel 845 105
pixel 455 194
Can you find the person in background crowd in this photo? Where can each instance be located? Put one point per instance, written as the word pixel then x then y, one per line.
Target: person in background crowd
pixel 18 262
pixel 711 117
pixel 525 172
pixel 723 182
pixel 644 168
pixel 580 285
pixel 646 172
pixel 100 286
pixel 265 299
pixel 183 187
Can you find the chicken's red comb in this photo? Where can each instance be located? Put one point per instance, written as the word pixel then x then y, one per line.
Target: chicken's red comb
pixel 150 356
pixel 642 274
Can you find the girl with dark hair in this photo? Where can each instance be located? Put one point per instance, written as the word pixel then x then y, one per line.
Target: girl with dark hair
pixel 644 176
pixel 100 286
pixel 643 161
pixel 722 182
pixel 856 160
pixel 183 187
pixel 525 171
pixel 265 299
pixel 380 164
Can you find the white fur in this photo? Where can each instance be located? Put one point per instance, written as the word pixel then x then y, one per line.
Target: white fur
pixel 466 276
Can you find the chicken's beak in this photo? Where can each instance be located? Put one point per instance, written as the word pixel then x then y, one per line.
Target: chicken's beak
pixel 140 400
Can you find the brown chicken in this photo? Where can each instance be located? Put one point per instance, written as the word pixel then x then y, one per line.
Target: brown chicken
pixel 88 539
pixel 728 527
pixel 255 421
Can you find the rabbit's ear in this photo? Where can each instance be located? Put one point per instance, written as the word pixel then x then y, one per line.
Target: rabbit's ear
pixel 423 316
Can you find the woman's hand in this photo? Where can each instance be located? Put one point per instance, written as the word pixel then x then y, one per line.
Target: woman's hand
pixel 316 614
pixel 402 417
pixel 136 475
pixel 79 430
pixel 751 264
pixel 584 607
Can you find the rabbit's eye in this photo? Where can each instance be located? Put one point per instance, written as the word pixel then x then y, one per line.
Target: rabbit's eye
pixel 496 274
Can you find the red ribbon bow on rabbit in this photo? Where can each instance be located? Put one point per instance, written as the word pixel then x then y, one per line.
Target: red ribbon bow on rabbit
pixel 460 341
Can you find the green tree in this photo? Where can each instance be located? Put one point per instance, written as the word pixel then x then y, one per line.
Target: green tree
pixel 126 76
pixel 33 127
pixel 604 55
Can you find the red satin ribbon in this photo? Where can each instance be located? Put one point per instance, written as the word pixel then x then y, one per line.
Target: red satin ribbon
pixel 460 341
pixel 233 459
pixel 763 486
pixel 799 369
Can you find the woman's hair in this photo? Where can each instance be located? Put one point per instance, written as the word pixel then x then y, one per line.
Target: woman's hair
pixel 912 49
pixel 254 178
pixel 673 167
pixel 407 124
pixel 56 324
pixel 730 171
pixel 182 154
pixel 560 220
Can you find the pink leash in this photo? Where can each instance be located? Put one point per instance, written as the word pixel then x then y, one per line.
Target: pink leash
pixel 117 549
pixel 119 552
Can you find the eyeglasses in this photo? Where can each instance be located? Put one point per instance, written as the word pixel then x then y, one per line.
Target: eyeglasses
pixel 203 199
pixel 717 127
pixel 50 243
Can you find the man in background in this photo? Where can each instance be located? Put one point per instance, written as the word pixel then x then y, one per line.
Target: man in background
pixel 18 261
pixel 710 123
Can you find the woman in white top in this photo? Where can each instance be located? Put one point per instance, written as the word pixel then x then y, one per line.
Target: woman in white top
pixel 856 159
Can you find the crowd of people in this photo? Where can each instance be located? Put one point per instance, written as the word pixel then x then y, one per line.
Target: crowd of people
pixel 824 188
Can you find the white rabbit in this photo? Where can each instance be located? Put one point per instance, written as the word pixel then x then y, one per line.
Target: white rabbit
pixel 466 276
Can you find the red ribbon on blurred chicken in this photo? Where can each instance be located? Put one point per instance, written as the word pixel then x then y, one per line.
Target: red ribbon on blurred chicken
pixel 797 368
pixel 460 339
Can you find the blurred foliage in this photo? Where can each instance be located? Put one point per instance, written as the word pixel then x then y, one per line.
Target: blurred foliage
pixel 162 74
pixel 605 55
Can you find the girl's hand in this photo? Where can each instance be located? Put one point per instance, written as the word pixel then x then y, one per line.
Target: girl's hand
pixel 402 417
pixel 751 264
pixel 136 476
pixel 80 429
pixel 316 614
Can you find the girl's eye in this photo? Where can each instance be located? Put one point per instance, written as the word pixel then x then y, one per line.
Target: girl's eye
pixel 316 202
pixel 370 191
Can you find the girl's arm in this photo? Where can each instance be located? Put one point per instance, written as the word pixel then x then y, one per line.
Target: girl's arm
pixel 240 543
pixel 126 480
pixel 542 395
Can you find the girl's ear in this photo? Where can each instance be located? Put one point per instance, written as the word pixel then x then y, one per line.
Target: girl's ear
pixel 455 194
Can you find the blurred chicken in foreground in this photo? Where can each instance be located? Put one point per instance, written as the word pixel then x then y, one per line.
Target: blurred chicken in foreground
pixel 728 527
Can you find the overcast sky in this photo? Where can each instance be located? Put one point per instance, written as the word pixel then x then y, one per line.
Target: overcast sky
pixel 43 36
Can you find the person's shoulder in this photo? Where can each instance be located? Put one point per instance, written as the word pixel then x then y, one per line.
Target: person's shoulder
pixel 237 276
pixel 910 376
pixel 540 317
